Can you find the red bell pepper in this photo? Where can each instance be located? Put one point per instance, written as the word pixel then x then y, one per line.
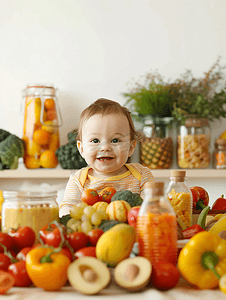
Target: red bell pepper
pixel 191 231
pixel 220 203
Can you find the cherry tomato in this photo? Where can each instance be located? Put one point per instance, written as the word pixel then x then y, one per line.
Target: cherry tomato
pixel 94 236
pixel 77 240
pixel 7 241
pixel 220 203
pixel 22 254
pixel 90 196
pixel 7 281
pixel 50 234
pixel 23 237
pixel 203 194
pixel 106 194
pixel 19 272
pixel 5 261
pixel 87 251
pixel 164 276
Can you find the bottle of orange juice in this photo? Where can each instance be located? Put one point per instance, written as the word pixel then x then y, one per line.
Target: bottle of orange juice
pixel 157 226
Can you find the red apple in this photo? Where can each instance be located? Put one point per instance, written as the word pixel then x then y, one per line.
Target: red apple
pixel 132 216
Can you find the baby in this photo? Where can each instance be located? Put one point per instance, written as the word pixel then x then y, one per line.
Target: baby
pixel 106 139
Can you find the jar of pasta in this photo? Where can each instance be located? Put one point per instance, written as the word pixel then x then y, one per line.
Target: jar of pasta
pixel 219 156
pixel 193 144
pixel 42 119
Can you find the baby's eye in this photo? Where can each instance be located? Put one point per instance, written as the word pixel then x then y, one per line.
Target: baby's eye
pixel 115 141
pixel 95 141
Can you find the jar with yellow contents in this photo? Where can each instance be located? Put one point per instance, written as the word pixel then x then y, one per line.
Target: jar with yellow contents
pixel 42 119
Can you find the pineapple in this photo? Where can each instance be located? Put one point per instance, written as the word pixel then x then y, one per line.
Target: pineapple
pixel 156 153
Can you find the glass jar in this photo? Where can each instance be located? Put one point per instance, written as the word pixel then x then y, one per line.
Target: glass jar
pixel 157 226
pixel 180 197
pixel 156 146
pixel 42 119
pixel 193 144
pixel 219 156
pixel 29 208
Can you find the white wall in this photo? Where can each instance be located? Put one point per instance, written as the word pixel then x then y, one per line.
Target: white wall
pixel 90 49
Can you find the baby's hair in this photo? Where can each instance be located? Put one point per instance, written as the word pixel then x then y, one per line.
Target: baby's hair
pixel 106 107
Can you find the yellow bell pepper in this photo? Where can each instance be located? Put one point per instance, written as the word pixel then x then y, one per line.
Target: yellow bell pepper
pixel 202 261
pixel 47 268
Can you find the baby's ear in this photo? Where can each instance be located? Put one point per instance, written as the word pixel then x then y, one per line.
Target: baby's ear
pixel 80 147
pixel 132 147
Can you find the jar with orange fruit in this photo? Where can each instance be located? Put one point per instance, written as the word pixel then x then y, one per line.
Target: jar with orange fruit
pixel 42 119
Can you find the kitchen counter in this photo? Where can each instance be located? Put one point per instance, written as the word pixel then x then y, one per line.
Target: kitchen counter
pixel 182 291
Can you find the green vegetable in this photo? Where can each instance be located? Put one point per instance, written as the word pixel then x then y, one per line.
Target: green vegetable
pixel 72 136
pixel 133 199
pixel 202 217
pixel 65 219
pixel 108 224
pixel 11 149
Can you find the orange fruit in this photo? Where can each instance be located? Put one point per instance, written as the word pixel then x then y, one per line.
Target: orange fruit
pixel 51 114
pixel 49 126
pixel 31 162
pixel 49 104
pixel 41 137
pixel 54 142
pixel 48 159
pixel 33 149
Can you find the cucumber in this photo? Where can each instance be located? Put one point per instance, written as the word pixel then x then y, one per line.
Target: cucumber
pixel 202 217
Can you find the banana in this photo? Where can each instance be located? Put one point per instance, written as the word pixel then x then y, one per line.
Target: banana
pixel 202 217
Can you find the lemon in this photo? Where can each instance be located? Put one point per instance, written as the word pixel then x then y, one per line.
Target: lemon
pixel 222 283
pixel 223 135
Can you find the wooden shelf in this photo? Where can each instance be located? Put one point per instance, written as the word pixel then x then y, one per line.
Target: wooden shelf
pixel 65 174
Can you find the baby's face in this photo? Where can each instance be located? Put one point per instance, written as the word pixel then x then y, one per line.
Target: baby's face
pixel 106 143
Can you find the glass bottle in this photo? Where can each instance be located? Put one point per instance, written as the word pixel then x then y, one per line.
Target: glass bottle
pixel 219 156
pixel 180 197
pixel 42 119
pixel 157 226
pixel 193 144
pixel 29 208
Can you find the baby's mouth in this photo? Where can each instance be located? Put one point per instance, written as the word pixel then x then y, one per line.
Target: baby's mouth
pixel 105 158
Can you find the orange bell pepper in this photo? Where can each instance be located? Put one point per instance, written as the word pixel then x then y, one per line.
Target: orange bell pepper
pixel 47 268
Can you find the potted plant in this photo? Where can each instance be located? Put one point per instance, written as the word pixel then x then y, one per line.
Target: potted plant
pixel 151 105
pixel 196 102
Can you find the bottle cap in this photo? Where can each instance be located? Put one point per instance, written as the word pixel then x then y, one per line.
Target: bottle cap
pixel 154 184
pixel 176 173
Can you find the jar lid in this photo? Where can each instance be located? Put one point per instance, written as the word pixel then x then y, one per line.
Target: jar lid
pixel 25 195
pixel 154 184
pixel 177 173
pixel 196 122
pixel 34 89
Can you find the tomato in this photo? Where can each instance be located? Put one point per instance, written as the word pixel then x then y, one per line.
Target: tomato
pixel 5 261
pixel 94 236
pixel 132 216
pixel 19 272
pixel 90 196
pixel 164 276
pixel 23 252
pixel 203 196
pixel 220 203
pixel 7 241
pixel 7 281
pixel 77 240
pixel 195 196
pixel 66 251
pixel 50 234
pixel 87 251
pixel 23 237
pixel 106 194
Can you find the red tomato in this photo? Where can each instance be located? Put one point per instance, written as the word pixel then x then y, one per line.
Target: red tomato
pixel 90 196
pixel 7 241
pixel 19 272
pixel 5 261
pixel 22 254
pixel 7 281
pixel 106 194
pixel 220 203
pixel 50 234
pixel 77 240
pixel 132 216
pixel 203 194
pixel 23 237
pixel 164 276
pixel 87 251
pixel 94 236
pixel 66 251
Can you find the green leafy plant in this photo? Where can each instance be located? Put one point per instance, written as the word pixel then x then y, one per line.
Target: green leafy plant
pixel 200 97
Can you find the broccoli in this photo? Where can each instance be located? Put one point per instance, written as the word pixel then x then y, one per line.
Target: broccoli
pixel 72 136
pixel 11 149
pixel 133 199
pixel 69 157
